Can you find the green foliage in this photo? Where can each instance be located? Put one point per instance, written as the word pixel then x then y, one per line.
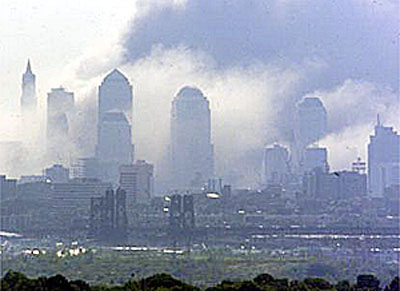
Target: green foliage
pixel 15 281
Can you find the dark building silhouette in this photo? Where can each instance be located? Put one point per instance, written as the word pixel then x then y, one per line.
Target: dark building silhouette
pixel 108 218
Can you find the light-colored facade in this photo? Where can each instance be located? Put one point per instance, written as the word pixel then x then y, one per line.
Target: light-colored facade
pixel 383 160
pixel 114 140
pixel 60 113
pixel 192 153
pixel 138 181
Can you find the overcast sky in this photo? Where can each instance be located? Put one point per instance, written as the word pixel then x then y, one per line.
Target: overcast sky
pixel 252 58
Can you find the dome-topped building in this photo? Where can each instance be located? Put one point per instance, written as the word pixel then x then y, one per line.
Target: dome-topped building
pixel 115 93
pixel 114 140
pixel 188 92
pixel 192 159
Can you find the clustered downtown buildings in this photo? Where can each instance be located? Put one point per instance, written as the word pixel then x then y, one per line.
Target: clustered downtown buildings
pixel 113 179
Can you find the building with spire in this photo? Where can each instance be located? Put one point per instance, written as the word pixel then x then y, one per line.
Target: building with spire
pixel 383 159
pixel 28 97
pixel 114 129
pixel 192 158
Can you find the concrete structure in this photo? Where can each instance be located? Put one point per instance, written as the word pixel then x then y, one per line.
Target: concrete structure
pixel 8 188
pixel 383 159
pixel 57 174
pixel 275 165
pixel 114 141
pixel 60 113
pixel 138 181
pixel 192 158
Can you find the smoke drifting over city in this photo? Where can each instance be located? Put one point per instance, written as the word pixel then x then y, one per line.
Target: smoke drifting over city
pixel 253 60
pixel 209 140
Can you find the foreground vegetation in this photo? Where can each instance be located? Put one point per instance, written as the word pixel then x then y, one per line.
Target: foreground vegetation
pixel 201 269
pixel 163 282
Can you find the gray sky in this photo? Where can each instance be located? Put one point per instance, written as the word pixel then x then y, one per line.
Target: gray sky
pixel 253 60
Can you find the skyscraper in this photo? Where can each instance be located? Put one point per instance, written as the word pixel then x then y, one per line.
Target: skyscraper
pixel 383 159
pixel 311 121
pixel 114 138
pixel 191 149
pixel 28 97
pixel 60 113
pixel 114 147
pixel 310 127
pixel 115 94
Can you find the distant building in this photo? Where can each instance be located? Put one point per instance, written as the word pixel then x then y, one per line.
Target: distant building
pixel 315 158
pixel 275 164
pixel 28 97
pixel 85 168
pixel 57 174
pixel 352 184
pixel 108 219
pixel 332 186
pixel 320 185
pixel 359 166
pixel 114 146
pixel 192 157
pixel 311 120
pixel 114 143
pixel 24 179
pixel 310 127
pixel 73 198
pixel 60 113
pixel 8 188
pixel 181 214
pixel 138 181
pixel 383 159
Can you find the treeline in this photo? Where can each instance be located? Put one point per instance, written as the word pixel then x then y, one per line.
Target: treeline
pixel 164 282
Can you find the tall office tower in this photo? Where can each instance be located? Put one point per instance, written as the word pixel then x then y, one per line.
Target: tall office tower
pixel 114 146
pixel 275 165
pixel 192 158
pixel 28 98
pixel 310 127
pixel 315 158
pixel 60 113
pixel 115 94
pixel 311 120
pixel 138 181
pixel 114 139
pixel 383 159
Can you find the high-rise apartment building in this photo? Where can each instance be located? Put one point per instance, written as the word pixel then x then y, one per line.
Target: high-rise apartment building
pixel 192 158
pixel 383 159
